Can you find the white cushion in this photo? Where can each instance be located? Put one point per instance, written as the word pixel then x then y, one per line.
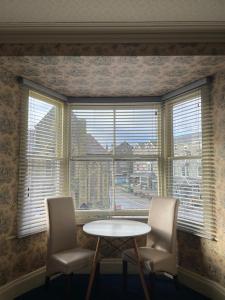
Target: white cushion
pixel 71 260
pixel 153 260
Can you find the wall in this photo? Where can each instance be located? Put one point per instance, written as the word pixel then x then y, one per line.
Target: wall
pixel 201 255
pixel 17 257
pixel 20 256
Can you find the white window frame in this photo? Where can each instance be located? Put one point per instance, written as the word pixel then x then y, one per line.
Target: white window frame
pixel 83 216
pixel 26 158
pixel 209 219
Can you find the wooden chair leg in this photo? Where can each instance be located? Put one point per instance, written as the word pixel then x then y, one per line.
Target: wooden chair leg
pixel 97 276
pixel 69 279
pixel 47 281
pixel 94 265
pixel 152 279
pixel 176 282
pixel 97 269
pixel 124 275
pixel 140 270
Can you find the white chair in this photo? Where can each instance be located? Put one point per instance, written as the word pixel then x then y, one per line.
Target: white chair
pixel 159 254
pixel 63 254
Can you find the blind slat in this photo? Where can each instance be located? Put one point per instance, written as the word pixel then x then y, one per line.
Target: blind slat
pixel 130 137
pixel 41 165
pixel 190 165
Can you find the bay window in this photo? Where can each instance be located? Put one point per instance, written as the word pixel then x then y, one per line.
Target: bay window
pixel 114 158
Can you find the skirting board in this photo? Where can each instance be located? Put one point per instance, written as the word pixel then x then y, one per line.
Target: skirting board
pixel 34 279
pixel 22 284
pixel 204 286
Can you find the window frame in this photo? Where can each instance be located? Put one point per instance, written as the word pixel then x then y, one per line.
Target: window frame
pixel 25 157
pixel 207 231
pixel 83 216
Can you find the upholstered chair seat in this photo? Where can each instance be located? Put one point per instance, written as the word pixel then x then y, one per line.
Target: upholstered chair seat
pixel 70 261
pixel 153 260
pixel 63 254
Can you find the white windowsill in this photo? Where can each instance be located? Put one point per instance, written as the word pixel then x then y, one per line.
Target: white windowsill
pixel 135 218
pixel 83 217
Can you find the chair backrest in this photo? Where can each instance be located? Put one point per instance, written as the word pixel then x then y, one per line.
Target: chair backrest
pixel 163 220
pixel 61 224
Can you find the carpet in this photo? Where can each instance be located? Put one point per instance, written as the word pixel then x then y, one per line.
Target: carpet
pixel 109 287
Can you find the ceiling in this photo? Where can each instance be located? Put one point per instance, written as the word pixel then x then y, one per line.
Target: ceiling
pixel 112 76
pixel 121 21
pixel 110 10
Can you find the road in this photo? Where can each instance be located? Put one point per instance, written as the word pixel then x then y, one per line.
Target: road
pixel 125 200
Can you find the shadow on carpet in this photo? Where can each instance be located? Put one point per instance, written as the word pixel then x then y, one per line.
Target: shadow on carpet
pixel 110 288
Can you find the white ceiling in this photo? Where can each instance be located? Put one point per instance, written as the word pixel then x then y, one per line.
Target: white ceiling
pixel 111 10
pixel 112 21
pixel 96 76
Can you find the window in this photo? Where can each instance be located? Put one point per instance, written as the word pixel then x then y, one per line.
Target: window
pixel 114 157
pixel 189 151
pixel 41 163
pixel 113 161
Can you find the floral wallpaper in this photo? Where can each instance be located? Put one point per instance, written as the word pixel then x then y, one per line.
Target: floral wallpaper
pixel 204 256
pixel 111 76
pixel 21 256
pixel 100 49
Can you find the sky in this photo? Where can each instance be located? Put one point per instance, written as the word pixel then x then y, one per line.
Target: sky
pixel 37 111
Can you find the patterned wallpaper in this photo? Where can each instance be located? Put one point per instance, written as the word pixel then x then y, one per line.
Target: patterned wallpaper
pixel 96 76
pixel 112 49
pixel 20 256
pixel 201 255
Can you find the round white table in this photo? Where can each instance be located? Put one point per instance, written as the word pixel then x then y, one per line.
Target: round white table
pixel 116 229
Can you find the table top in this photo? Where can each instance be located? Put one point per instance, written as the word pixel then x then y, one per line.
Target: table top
pixel 116 228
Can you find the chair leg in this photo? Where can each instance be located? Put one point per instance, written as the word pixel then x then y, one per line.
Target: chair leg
pixel 69 278
pixel 176 282
pixel 97 269
pixel 47 281
pixel 152 279
pixel 124 275
pixel 97 275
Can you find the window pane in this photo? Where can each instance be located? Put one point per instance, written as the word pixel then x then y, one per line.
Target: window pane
pixel 100 134
pixel 41 163
pixel 186 186
pixel 43 178
pixel 135 183
pixel 91 132
pixel 187 128
pixel 91 184
pixel 42 126
pixel 136 131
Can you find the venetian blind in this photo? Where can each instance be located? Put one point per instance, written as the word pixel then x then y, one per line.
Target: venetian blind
pixel 190 161
pixel 41 161
pixel 114 155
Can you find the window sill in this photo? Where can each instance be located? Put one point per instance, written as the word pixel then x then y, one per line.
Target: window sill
pixel 83 217
pixel 134 218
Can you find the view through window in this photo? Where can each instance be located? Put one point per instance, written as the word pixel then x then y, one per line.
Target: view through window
pixel 184 138
pixel 114 157
pixel 41 164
